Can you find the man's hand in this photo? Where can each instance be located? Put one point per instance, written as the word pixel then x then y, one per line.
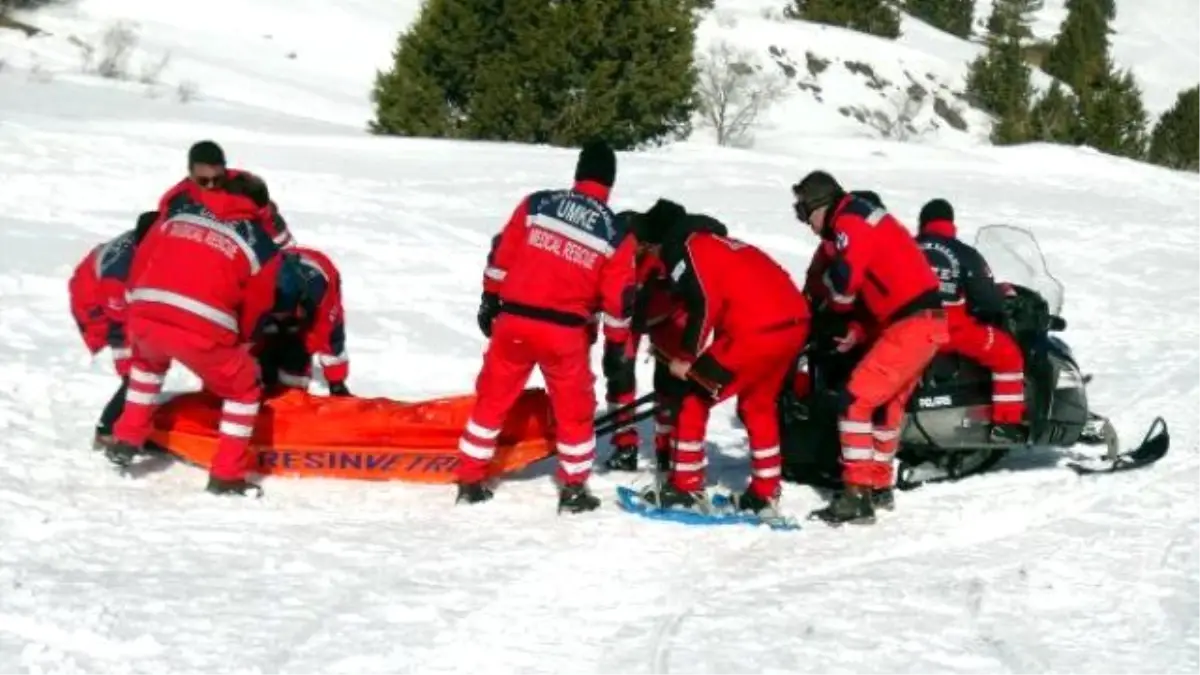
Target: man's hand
pixel 850 339
pixel 680 368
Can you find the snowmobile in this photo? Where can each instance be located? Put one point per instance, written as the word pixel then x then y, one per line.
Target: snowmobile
pixel 947 432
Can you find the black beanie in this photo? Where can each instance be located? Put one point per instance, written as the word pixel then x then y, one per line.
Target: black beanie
pixel 936 209
pixel 206 152
pixel 658 220
pixel 597 163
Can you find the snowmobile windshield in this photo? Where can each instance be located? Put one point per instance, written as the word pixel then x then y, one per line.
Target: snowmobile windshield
pixel 1014 256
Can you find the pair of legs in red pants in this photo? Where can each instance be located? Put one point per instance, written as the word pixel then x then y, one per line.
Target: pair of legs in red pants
pixel 877 393
pixel 229 372
pixel 665 338
pixel 997 351
pixel 562 353
pixel 759 364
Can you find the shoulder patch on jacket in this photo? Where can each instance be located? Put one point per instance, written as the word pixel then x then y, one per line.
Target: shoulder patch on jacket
pixel 116 257
pixel 578 217
pixel 865 210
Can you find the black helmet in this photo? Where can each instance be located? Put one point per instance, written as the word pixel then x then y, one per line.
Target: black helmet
pixel 814 191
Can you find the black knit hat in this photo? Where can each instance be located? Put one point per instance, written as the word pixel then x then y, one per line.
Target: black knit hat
pixel 206 152
pixel 597 163
pixel 658 220
pixel 814 191
pixel 936 209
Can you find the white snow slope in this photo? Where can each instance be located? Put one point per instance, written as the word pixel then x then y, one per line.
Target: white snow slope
pixel 1026 569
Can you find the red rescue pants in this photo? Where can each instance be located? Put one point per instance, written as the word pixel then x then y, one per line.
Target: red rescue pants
pixel 877 393
pixel 759 363
pixel 997 351
pixel 229 372
pixel 563 355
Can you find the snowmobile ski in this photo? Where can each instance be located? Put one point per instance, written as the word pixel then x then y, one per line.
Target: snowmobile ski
pixel 1152 448
pixel 631 501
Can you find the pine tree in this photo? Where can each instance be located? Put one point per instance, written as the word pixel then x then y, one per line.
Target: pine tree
pixel 1079 56
pixel 538 72
pixel 953 16
pixel 1175 142
pixel 1114 120
pixel 999 80
pixel 876 17
pixel 1013 18
pixel 1055 117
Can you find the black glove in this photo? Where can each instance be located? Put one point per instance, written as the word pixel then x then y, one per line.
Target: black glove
pixel 489 307
pixel 338 389
pixel 618 368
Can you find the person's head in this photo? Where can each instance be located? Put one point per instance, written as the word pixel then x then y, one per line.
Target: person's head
pixel 654 225
pixel 597 164
pixel 206 164
pixel 936 213
pixel 816 194
pixel 248 185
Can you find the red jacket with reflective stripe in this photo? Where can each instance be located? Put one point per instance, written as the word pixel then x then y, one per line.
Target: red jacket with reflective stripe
pixel 187 190
pixel 97 293
pixel 566 251
pixel 325 331
pixel 877 261
pixel 207 267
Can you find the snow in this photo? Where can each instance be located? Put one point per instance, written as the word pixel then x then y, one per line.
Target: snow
pixel 1027 569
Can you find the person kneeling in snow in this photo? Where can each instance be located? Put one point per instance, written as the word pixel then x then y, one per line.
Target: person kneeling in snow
pixel 201 282
pixel 759 322
pixel 307 321
pixel 97 292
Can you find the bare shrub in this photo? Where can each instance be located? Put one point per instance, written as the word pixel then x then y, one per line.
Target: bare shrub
pixel 187 91
pixel 733 90
pixel 116 46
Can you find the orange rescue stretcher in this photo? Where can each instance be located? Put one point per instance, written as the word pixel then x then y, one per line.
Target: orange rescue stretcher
pixel 300 435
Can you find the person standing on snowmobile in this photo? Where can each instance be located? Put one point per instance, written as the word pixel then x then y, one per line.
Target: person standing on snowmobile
pixel 201 282
pixel 97 293
pixel 560 251
pixel 207 171
pixel 975 313
pixel 307 321
pixel 877 262
pixel 659 315
pixel 758 320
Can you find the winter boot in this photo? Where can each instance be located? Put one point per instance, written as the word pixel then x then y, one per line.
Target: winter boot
pixel 1008 433
pixel 577 499
pixel 624 458
pixel 103 439
pixel 662 453
pixel 883 498
pixel 667 496
pixel 473 493
pixel 851 505
pixel 752 502
pixel 121 453
pixel 233 486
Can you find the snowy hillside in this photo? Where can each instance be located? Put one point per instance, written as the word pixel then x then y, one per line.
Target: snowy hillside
pixel 1029 569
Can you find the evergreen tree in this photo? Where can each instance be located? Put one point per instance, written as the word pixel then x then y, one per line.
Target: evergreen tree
pixel 999 81
pixel 542 72
pixel 1114 120
pixel 953 16
pixel 877 17
pixel 1055 117
pixel 1107 7
pixel 1175 142
pixel 1079 56
pixel 1013 18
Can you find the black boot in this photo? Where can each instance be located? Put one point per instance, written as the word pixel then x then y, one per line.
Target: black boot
pixel 236 486
pixel 473 493
pixel 1009 433
pixel 577 499
pixel 883 498
pixel 851 505
pixel 103 439
pixel 750 501
pixel 121 453
pixel 623 458
pixel 667 496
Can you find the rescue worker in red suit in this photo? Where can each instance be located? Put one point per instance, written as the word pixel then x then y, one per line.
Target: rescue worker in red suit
pixel 207 171
pixel 975 313
pixel 660 316
pixel 758 321
pixel 560 252
pixel 306 322
pixel 202 281
pixel 856 331
pixel 876 262
pixel 97 293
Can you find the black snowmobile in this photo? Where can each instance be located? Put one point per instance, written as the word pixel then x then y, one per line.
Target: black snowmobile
pixel 947 433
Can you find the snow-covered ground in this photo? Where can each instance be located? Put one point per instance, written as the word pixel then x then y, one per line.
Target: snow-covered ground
pixel 1028 569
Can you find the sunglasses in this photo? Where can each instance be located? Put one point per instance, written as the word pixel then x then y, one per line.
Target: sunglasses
pixel 209 181
pixel 802 212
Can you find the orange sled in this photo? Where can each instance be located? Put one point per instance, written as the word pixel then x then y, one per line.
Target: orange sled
pixel 357 438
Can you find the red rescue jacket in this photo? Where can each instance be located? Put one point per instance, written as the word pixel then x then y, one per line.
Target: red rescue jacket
pixel 878 262
pixel 861 320
pixel 97 295
pixel 730 288
pixel 562 253
pixel 187 190
pixel 208 267
pixel 323 321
